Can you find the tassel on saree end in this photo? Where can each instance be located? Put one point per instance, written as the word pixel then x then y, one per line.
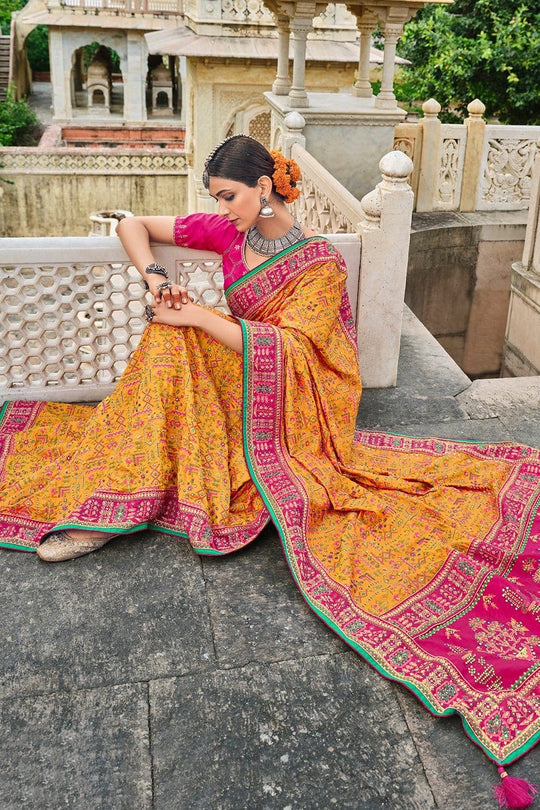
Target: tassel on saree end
pixel 513 792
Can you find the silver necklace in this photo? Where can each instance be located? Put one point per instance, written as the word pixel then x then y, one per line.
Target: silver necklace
pixel 269 247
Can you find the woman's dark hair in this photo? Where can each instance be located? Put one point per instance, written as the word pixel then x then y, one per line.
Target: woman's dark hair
pixel 240 158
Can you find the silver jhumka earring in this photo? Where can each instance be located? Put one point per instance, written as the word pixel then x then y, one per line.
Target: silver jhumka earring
pixel 266 210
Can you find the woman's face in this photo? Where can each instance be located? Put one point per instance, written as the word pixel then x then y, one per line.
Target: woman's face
pixel 236 201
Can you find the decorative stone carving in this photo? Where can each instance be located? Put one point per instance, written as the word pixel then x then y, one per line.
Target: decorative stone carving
pixel 507 171
pixel 449 174
pixel 405 145
pixel 87 161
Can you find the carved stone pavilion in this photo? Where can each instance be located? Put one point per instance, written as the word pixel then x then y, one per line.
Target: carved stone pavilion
pixel 213 63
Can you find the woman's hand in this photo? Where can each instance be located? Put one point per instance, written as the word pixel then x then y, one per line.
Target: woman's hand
pixel 175 310
pixel 172 295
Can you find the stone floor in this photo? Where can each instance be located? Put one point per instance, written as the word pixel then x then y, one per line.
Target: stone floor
pixel 143 677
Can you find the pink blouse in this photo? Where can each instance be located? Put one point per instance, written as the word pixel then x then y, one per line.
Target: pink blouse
pixel 213 232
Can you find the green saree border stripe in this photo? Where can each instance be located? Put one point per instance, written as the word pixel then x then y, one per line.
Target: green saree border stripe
pixel 424 700
pixel 439 438
pixel 123 532
pixel 4 544
pixel 4 408
pixel 267 261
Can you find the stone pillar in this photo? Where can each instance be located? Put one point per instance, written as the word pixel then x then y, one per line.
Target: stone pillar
pixel 385 233
pixel 300 27
pixel 362 86
pixel 472 165
pixel 134 85
pixel 282 83
pixel 60 76
pixel 386 98
pixel 522 341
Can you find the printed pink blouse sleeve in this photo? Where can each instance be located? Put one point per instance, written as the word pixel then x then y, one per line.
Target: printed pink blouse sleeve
pixel 204 232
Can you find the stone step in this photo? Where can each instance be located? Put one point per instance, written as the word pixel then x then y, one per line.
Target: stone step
pixel 4 65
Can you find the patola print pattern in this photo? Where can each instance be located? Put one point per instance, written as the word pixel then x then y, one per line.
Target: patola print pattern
pixel 422 554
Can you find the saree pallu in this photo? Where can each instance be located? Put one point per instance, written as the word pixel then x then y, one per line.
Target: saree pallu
pixel 422 554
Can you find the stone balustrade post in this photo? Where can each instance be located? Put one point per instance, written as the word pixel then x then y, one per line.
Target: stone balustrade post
pixel 282 83
pixel 429 158
pixel 386 98
pixel 531 248
pixel 362 87
pixel 472 166
pixel 291 132
pixel 385 233
pixel 300 27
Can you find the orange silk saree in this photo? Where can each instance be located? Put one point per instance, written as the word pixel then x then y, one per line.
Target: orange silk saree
pixel 422 554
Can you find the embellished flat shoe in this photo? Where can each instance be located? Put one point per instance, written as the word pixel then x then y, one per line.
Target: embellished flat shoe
pixel 59 546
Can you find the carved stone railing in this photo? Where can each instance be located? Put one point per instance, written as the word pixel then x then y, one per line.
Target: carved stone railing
pixel 167 7
pixel 72 312
pixel 468 167
pixel 72 308
pixel 90 161
pixel 324 203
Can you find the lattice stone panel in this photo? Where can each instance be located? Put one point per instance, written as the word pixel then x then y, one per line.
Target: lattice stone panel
pixel 68 328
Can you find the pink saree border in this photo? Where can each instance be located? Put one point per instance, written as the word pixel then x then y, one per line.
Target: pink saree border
pixel 503 718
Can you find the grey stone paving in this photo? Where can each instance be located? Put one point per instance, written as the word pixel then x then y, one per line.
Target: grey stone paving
pixel 146 678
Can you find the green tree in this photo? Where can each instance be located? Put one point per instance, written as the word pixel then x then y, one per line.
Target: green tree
pixel 486 49
pixel 37 48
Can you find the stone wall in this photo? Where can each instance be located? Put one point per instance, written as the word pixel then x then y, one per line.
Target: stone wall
pixel 53 192
pixel 458 282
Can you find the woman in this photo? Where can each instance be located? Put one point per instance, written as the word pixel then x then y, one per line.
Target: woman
pixel 419 553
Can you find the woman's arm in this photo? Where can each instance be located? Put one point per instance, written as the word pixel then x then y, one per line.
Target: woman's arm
pixel 136 233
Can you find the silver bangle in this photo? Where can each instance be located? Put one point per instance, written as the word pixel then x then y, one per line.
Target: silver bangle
pixel 157 269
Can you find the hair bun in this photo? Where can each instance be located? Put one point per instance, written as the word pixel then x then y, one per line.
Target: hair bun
pixel 285 177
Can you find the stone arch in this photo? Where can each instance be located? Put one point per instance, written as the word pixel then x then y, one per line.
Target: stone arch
pixel 74 44
pixel 251 119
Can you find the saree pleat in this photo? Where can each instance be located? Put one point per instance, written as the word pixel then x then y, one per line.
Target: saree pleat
pixel 422 554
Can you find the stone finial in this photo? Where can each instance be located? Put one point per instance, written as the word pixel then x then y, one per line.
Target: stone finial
pixel 431 108
pixel 395 166
pixel 476 109
pixel 372 207
pixel 294 121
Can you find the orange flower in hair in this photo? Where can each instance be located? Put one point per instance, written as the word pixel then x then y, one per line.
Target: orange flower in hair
pixel 285 177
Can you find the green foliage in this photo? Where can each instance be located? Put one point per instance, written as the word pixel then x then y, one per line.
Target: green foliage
pixel 89 51
pixel 6 8
pixel 486 49
pixel 18 123
pixel 37 48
